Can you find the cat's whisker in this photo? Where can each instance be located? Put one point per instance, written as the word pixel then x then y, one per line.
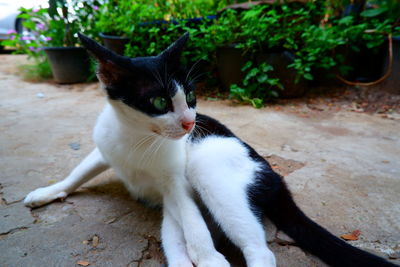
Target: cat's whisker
pixel 201 127
pixel 135 146
pixel 142 142
pixel 152 153
pixel 157 76
pixel 205 130
pixel 147 153
pixel 144 153
pixel 140 161
pixel 161 79
pixel 198 132
pixel 191 69
pixel 166 76
pixel 194 79
pixel 162 141
pixel 202 132
pixel 170 80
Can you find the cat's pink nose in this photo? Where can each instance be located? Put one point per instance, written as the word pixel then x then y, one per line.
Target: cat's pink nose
pixel 187 125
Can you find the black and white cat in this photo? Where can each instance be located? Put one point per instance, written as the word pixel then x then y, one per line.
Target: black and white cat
pixel 164 152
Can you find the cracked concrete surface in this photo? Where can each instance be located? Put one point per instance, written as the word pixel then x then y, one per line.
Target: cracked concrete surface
pixel 343 169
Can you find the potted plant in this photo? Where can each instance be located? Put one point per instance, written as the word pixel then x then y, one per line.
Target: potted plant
pixel 118 21
pixel 69 63
pixel 52 31
pixel 230 59
pixel 270 36
pixel 50 40
pixel 367 40
pixel 270 39
pixel 159 23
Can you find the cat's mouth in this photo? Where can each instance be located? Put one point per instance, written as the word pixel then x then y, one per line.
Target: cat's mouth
pixel 175 135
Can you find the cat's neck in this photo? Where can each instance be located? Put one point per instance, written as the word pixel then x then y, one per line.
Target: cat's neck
pixel 125 119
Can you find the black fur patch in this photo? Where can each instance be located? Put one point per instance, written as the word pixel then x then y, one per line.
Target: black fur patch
pixel 135 81
pixel 206 126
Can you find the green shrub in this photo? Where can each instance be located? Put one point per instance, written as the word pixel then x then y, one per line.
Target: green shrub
pixel 258 85
pixel 313 32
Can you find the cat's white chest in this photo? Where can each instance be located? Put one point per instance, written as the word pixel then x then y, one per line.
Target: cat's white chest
pixel 145 164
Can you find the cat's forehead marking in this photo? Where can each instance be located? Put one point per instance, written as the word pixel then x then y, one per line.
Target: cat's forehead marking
pixel 181 109
pixel 179 98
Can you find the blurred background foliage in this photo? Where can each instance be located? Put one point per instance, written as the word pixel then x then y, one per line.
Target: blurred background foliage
pixel 318 34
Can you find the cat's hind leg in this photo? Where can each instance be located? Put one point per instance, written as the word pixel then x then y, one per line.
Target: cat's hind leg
pixel 232 212
pixel 173 242
pixel 220 171
pixel 91 166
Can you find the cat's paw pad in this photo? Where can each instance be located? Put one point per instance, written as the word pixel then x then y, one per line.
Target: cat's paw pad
pixel 42 196
pixel 215 260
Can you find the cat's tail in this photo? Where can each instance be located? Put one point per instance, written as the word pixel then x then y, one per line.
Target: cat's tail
pixel 274 198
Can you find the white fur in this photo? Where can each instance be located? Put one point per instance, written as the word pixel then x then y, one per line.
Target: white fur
pixel 156 162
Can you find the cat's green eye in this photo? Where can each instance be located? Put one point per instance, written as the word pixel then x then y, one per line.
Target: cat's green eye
pixel 159 103
pixel 190 97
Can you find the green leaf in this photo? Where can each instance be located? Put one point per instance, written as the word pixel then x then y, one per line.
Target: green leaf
pixel 273 93
pixel 346 20
pixel 29 24
pixel 262 78
pixel 52 8
pixel 236 90
pixel 308 76
pixel 23 16
pixel 266 68
pixel 257 102
pixel 253 72
pixel 373 12
pixel 247 65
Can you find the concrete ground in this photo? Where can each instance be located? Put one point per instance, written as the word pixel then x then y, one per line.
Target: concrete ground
pixel 343 168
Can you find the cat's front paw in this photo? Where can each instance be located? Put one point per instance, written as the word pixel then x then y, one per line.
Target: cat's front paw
pixel 42 196
pixel 261 258
pixel 180 263
pixel 217 260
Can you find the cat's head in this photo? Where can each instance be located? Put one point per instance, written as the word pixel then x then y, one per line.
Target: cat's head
pixel 153 93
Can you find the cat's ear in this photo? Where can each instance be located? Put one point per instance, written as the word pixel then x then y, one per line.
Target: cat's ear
pixel 172 54
pixel 98 51
pixel 110 67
